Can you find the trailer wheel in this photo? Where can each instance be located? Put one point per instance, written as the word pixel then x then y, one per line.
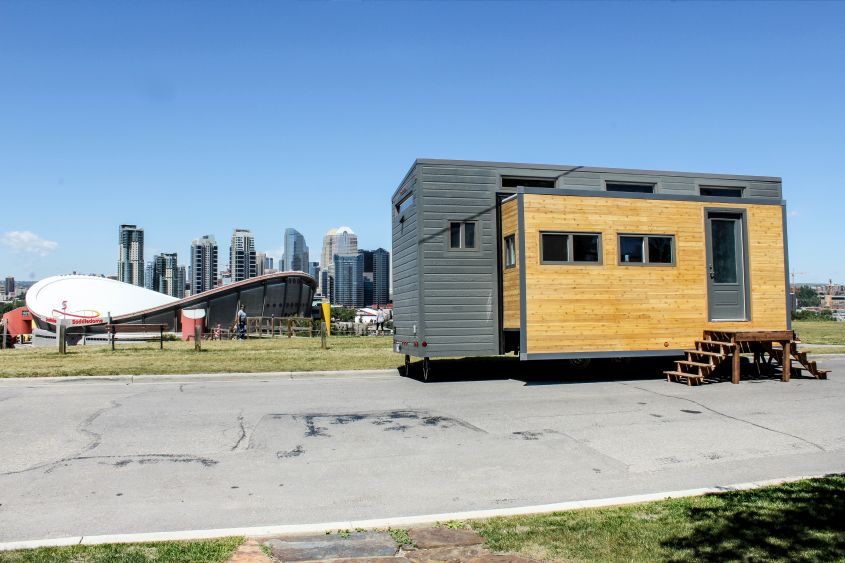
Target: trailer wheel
pixel 407 365
pixel 426 369
pixel 579 363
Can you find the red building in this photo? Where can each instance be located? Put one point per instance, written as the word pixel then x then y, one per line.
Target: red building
pixel 18 321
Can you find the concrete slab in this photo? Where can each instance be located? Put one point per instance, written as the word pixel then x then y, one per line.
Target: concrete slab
pixel 334 546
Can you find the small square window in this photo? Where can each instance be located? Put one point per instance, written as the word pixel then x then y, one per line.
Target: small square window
pixel 630 249
pixel 585 248
pixel 660 250
pixel 454 235
pixel 568 248
pixel 646 249
pixel 510 251
pixel 462 235
pixel 469 235
pixel 555 248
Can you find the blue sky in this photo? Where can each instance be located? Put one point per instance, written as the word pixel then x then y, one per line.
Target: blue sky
pixel 192 118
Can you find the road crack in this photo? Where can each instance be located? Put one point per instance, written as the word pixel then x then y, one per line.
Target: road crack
pixel 725 415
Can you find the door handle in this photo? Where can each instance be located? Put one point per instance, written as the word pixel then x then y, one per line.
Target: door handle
pixel 712 272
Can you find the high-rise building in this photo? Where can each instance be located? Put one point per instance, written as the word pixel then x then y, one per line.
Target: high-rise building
pixel 9 286
pixel 150 276
pixel 381 277
pixel 130 259
pixel 368 275
pixel 348 285
pixel 341 242
pixel 242 255
pixel 326 285
pixel 314 270
pixel 296 252
pixel 168 278
pixel 203 264
pixel 260 263
pixel 181 282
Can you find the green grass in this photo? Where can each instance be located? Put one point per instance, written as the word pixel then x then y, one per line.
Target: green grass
pixel 801 521
pixel 206 551
pixel 820 332
pixel 258 355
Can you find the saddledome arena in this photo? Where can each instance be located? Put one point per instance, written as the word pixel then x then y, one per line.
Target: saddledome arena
pixel 89 303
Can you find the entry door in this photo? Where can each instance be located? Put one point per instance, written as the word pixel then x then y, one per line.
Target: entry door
pixel 726 275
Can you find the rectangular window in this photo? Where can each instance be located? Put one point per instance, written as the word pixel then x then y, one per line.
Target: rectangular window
pixel 405 203
pixel 510 251
pixel 528 182
pixel 629 187
pixel 570 248
pixel 646 249
pixel 715 191
pixel 462 235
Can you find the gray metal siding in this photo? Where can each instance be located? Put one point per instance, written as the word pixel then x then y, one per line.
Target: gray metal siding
pixel 459 287
pixel 406 287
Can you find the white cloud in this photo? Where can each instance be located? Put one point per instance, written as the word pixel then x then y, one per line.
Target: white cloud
pixel 27 242
pixel 793 214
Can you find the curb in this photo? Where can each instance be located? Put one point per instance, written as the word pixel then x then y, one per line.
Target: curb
pixel 301 529
pixel 189 377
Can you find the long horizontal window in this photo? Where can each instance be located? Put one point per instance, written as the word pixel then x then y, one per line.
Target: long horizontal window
pixel 629 187
pixel 528 182
pixel 570 248
pixel 646 249
pixel 405 203
pixel 718 191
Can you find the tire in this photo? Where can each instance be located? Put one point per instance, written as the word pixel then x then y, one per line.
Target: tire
pixel 579 364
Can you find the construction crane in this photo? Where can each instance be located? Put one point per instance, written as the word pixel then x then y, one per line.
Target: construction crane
pixel 794 273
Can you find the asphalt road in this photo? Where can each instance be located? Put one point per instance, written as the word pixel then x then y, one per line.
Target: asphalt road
pixel 100 457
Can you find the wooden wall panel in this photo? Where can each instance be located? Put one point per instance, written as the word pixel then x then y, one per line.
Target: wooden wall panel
pixel 608 307
pixel 510 276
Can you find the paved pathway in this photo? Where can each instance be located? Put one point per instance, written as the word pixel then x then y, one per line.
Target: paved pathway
pixel 94 457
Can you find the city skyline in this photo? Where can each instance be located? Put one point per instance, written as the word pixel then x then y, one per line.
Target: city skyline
pixel 156 109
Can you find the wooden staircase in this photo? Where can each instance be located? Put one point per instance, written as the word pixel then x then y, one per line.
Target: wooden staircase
pixel 702 361
pixel 806 363
pixel 767 347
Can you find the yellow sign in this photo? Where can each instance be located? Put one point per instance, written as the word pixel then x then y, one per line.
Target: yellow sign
pixel 327 316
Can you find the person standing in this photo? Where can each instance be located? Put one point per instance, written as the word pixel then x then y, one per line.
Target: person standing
pixel 242 323
pixel 379 320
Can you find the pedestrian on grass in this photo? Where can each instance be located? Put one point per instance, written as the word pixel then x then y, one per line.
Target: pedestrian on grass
pixel 242 323
pixel 379 320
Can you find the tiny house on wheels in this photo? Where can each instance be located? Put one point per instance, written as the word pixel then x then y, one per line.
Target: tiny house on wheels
pixel 576 262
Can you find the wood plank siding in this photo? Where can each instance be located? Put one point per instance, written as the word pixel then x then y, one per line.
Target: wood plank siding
pixel 608 307
pixel 510 276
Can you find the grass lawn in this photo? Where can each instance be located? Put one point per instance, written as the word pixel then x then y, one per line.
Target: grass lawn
pixel 258 355
pixel 206 551
pixel 820 332
pixel 801 521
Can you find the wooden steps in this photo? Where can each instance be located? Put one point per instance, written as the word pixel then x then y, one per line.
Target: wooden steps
pixel 806 364
pixel 692 368
pixel 716 347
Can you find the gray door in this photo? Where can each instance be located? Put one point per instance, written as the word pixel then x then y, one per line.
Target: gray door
pixel 727 277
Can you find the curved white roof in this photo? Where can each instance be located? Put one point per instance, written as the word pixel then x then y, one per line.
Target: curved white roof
pixel 345 230
pixel 89 297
